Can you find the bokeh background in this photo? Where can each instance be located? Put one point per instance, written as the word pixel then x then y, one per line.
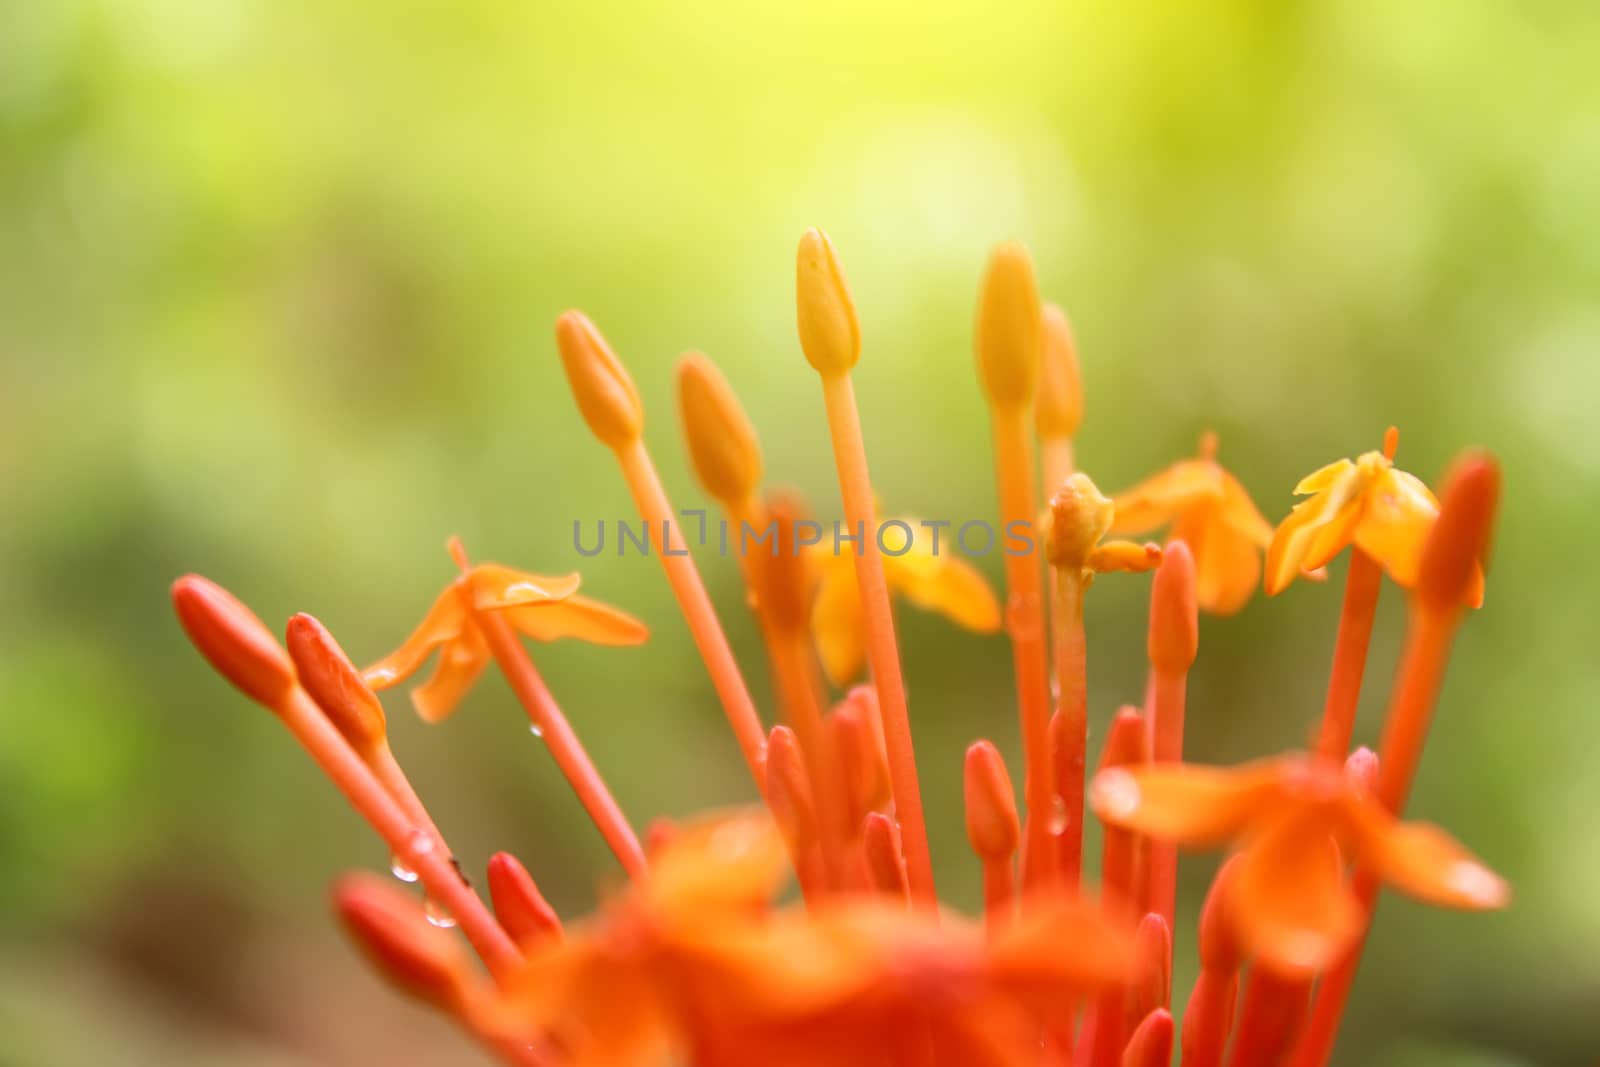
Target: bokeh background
pixel 276 291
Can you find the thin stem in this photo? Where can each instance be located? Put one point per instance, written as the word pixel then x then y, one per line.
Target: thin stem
pixel 568 752
pixel 791 665
pixel 654 507
pixel 1013 461
pixel 1269 1019
pixel 1072 732
pixel 1208 1018
pixel 999 892
pixel 1361 588
pixel 416 847
pixel 1167 694
pixel 883 652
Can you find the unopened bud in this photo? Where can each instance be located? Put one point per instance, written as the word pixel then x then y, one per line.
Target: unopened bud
pixel 1220 950
pixel 782 576
pixel 1151 1043
pixel 1174 636
pixel 722 443
pixel 237 644
pixel 394 933
pixel 1152 977
pixel 601 384
pixel 1009 328
pixel 992 825
pixel 1458 545
pixel 880 843
pixel 789 790
pixel 1058 403
pixel 335 684
pixel 518 904
pixel 830 335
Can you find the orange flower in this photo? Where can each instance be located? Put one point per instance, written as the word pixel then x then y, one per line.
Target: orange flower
pixel 932 580
pixel 540 607
pixel 1367 502
pixel 1298 822
pixel 693 958
pixel 1208 509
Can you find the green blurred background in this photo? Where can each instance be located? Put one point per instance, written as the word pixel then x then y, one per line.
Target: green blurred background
pixel 276 291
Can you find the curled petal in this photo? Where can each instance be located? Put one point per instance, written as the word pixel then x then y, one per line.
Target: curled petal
pixel 1185 803
pixel 1123 556
pixel 1324 478
pixel 577 617
pixel 837 625
pixel 1423 861
pixel 1337 500
pixel 460 663
pixel 1227 563
pixel 495 585
pixel 1162 497
pixel 444 622
pixel 1288 899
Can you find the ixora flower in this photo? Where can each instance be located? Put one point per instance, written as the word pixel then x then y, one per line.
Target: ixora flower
pixel 698 958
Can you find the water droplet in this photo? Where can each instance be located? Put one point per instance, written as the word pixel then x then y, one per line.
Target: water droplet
pixel 398 868
pixel 535 729
pixel 438 914
pixel 1058 816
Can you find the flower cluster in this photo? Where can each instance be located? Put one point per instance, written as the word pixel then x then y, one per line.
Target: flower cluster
pixel 696 958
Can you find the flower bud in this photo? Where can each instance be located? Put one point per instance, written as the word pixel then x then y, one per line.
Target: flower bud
pixel 1455 550
pixel 1058 404
pixel 830 335
pixel 1174 636
pixel 1152 975
pixel 781 574
pixel 992 826
pixel 236 643
pixel 335 684
pixel 1009 331
pixel 789 790
pixel 1220 950
pixel 605 392
pixel 1151 1043
pixel 1078 518
pixel 393 932
pixel 518 904
pixel 722 443
pixel 880 843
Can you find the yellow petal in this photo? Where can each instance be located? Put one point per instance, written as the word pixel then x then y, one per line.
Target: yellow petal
pixel 943 583
pixel 442 623
pixel 1291 549
pixel 1288 899
pixel 837 624
pixel 495 585
pixel 1323 479
pixel 1400 511
pixel 460 663
pixel 1241 513
pixel 1160 498
pixel 1186 803
pixel 578 617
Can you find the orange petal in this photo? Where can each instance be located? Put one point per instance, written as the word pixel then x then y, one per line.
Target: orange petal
pixel 460 663
pixel 1291 551
pixel 577 617
pixel 837 624
pixel 1399 512
pixel 1187 803
pixel 1287 898
pixel 495 585
pixel 1160 498
pixel 1241 513
pixel 1025 957
pixel 720 865
pixel 1424 861
pixel 442 623
pixel 1227 563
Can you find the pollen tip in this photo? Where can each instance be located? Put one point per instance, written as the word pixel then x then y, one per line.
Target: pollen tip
pixel 1058 401
pixel 993 828
pixel 233 640
pixel 830 333
pixel 1010 327
pixel 722 442
pixel 1459 542
pixel 1174 636
pixel 334 683
pixel 605 392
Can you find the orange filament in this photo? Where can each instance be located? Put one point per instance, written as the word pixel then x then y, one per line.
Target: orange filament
pixel 883 652
pixel 656 510
pixel 1173 644
pixel 1361 590
pixel 1068 733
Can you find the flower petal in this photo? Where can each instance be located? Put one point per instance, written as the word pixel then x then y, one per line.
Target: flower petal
pixel 1399 513
pixel 1423 861
pixel 1227 563
pixel 837 625
pixel 442 624
pixel 943 583
pixel 1160 498
pixel 460 663
pixel 578 617
pixel 495 585
pixel 1288 899
pixel 1291 550
pixel 1241 513
pixel 1187 803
